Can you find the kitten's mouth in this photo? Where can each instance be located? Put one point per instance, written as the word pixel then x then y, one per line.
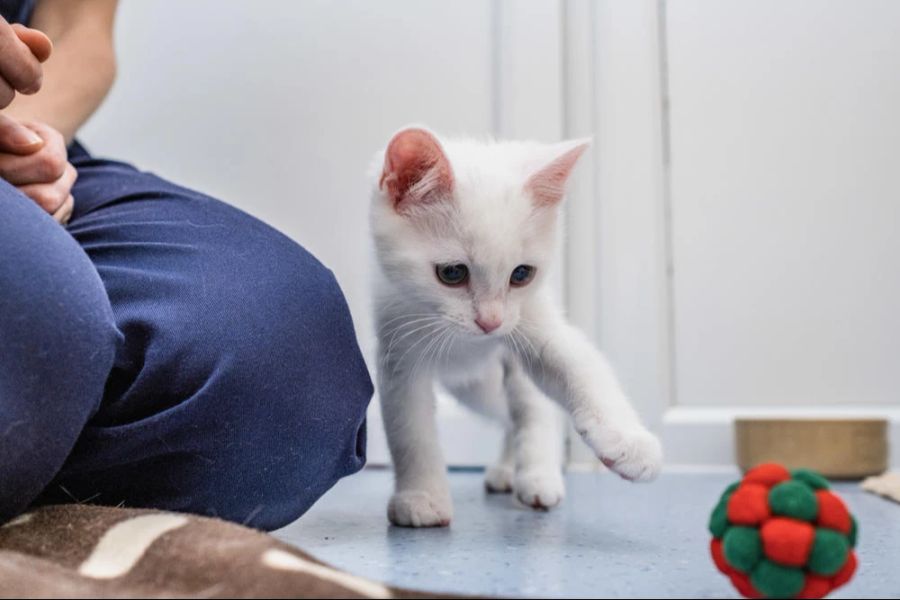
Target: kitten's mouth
pixel 480 334
pixel 475 331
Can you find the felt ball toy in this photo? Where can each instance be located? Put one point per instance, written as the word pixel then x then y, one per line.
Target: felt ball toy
pixel 783 534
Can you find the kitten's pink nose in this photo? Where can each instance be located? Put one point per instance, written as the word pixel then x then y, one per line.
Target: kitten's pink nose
pixel 488 324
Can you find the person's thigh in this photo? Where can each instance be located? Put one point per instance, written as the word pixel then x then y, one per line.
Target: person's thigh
pixel 240 391
pixel 57 343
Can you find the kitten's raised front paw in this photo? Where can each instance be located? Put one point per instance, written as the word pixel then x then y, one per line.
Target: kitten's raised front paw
pixel 632 452
pixel 498 479
pixel 541 489
pixel 415 508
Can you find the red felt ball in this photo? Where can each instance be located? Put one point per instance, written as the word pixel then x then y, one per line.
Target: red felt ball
pixel 742 584
pixel 787 541
pixel 833 512
pixel 815 587
pixel 718 556
pixel 846 572
pixel 767 474
pixel 749 504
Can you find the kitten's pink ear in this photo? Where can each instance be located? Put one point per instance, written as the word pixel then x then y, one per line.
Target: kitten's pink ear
pixel 548 185
pixel 415 168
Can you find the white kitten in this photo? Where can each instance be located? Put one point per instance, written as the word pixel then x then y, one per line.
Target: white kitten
pixel 465 234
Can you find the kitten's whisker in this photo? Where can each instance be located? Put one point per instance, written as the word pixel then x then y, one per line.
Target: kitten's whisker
pixel 524 357
pixel 391 346
pixel 404 330
pixel 431 336
pixel 384 325
pixel 450 337
pixel 415 369
pixel 408 350
pixel 521 341
pixel 512 346
pixel 534 353
pixel 436 337
pixel 511 339
pixel 412 319
pixel 429 321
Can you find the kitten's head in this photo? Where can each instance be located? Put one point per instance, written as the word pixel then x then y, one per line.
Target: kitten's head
pixel 466 230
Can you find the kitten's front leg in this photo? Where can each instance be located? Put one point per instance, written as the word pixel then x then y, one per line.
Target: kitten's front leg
pixel 567 366
pixel 421 491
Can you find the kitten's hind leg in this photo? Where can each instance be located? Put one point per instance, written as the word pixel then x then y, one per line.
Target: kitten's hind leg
pixel 538 440
pixel 498 478
pixel 486 396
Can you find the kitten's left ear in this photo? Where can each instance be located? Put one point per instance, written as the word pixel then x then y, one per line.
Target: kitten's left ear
pixel 548 184
pixel 416 170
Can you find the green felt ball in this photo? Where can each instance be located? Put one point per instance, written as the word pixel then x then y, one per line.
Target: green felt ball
pixel 777 581
pixel 718 520
pixel 742 547
pixel 810 478
pixel 854 530
pixel 793 499
pixel 829 552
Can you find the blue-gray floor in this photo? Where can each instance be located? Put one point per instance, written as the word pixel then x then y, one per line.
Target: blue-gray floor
pixel 609 539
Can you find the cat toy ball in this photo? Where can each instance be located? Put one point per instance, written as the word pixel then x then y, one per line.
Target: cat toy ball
pixel 783 534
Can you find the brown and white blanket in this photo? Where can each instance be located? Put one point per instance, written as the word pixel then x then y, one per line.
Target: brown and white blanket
pixel 77 551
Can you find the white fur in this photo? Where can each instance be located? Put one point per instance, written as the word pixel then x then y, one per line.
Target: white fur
pixel 427 332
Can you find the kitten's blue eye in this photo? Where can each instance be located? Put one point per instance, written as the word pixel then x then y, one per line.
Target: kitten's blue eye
pixel 521 275
pixel 452 274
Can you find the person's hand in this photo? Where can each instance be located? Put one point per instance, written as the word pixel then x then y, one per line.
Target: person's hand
pixel 22 50
pixel 40 170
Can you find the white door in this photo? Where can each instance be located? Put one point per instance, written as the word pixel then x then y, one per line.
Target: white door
pixel 748 210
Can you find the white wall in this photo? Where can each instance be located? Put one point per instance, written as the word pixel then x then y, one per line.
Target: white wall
pixel 785 201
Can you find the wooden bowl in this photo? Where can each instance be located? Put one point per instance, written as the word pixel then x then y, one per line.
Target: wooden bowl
pixel 840 448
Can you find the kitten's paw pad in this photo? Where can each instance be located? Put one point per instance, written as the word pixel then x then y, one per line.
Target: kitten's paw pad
pixel 634 453
pixel 498 479
pixel 539 489
pixel 414 508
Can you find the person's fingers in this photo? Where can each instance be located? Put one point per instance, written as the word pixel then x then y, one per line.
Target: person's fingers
pixel 45 166
pixel 16 138
pixel 52 196
pixel 18 66
pixel 64 213
pixel 7 94
pixel 51 136
pixel 41 167
pixel 37 41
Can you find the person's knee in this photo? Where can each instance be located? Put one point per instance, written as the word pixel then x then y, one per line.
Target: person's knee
pixel 265 387
pixel 305 389
pixel 57 346
pixel 55 315
pixel 296 334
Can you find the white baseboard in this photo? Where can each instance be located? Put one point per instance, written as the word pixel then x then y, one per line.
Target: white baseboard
pixel 693 437
pixel 704 436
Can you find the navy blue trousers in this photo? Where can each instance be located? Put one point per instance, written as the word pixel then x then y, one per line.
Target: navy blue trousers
pixel 167 350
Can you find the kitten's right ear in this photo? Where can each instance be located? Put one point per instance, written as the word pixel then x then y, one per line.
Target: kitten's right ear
pixel 416 170
pixel 548 185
